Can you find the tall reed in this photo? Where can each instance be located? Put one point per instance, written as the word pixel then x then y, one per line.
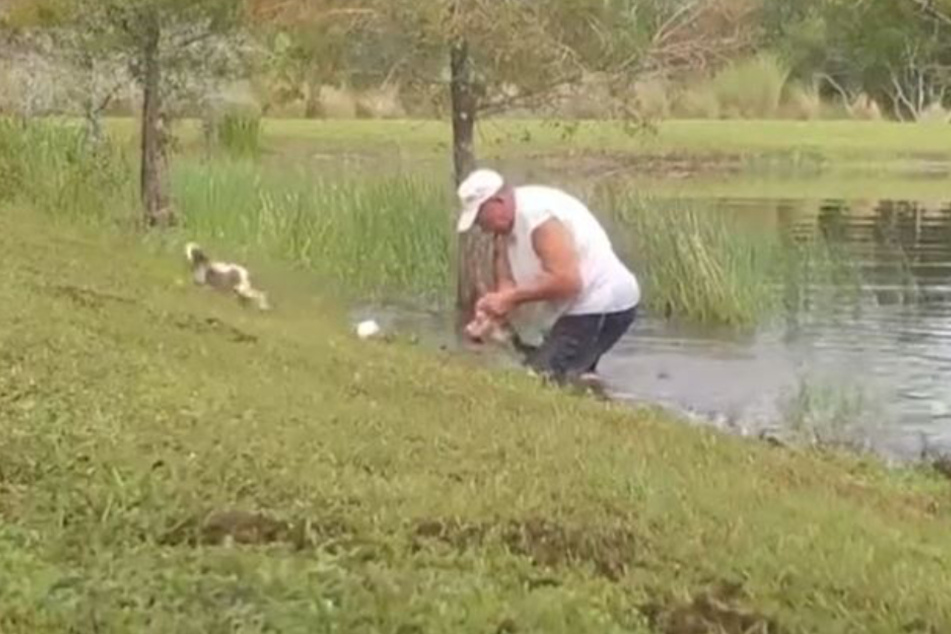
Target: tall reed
pixel 239 133
pixel 698 264
pixel 751 88
pixel 57 169
pixel 376 237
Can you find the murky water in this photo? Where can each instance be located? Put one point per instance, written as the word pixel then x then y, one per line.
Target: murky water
pixel 873 370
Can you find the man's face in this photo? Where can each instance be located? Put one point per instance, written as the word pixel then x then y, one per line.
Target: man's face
pixel 495 215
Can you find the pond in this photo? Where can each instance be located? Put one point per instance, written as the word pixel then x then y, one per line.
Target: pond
pixel 869 370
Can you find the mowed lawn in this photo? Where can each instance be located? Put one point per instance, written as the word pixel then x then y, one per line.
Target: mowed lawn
pixel 172 463
pixel 864 142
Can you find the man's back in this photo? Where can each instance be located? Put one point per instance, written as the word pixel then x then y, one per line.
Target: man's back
pixel 607 284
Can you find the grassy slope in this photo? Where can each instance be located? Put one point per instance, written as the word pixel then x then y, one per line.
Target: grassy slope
pixel 432 497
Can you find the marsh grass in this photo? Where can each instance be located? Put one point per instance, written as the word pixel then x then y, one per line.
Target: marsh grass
pixel 699 264
pixel 751 88
pixel 387 237
pixel 369 237
pixel 239 133
pixel 57 169
pixel 375 238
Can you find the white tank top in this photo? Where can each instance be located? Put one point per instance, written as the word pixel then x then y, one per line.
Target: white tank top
pixel 607 285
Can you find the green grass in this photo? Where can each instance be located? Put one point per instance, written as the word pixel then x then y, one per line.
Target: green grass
pixel 424 494
pixel 239 133
pixel 370 237
pixel 53 168
pixel 702 265
pixel 374 237
pixel 751 88
pixel 835 139
pixel 874 142
pixel 695 265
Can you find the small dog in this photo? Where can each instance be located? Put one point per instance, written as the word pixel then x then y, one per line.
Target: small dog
pixel 484 327
pixel 224 276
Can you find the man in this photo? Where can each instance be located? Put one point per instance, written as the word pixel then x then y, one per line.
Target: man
pixel 550 249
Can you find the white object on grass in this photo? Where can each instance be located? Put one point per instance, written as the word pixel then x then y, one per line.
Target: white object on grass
pixel 367 329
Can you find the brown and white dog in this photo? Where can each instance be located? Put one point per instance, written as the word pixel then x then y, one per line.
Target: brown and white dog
pixel 486 328
pixel 224 277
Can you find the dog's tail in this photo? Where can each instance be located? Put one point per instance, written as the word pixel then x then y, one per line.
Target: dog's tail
pixel 194 253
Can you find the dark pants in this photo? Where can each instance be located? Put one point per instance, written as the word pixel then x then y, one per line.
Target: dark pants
pixel 576 343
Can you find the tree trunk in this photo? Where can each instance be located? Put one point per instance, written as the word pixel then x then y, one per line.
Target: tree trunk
pixel 154 201
pixel 90 106
pixel 463 111
pixel 474 255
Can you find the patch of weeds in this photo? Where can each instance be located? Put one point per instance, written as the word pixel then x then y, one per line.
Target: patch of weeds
pixel 825 415
pixel 696 265
pixel 718 610
pixel 214 325
pixel 237 527
pixel 547 543
pixel 237 131
pixel 88 297
pixel 920 626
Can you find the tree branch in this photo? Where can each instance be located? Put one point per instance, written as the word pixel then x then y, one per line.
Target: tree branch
pixel 846 97
pixel 928 9
pixel 900 94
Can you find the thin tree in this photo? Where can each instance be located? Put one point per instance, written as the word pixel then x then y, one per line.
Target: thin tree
pixel 163 43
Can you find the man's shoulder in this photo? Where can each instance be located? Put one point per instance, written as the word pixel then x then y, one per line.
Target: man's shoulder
pixel 535 190
pixel 546 197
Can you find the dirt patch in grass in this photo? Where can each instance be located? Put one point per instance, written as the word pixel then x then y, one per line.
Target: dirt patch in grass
pixel 213 325
pixel 237 527
pixel 718 610
pixel 548 543
pixel 87 297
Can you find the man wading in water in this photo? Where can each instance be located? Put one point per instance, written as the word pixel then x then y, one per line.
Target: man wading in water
pixel 550 249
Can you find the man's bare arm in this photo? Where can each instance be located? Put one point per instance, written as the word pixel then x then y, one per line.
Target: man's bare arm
pixel 561 277
pixel 504 280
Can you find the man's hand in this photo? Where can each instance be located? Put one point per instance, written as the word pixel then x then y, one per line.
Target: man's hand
pixel 498 304
pixel 560 278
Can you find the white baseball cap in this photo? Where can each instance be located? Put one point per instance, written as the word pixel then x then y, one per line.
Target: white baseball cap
pixel 478 187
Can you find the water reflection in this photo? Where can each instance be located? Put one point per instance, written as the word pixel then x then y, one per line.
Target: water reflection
pixel 875 364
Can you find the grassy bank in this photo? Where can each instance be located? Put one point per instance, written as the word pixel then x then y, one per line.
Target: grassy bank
pixel 420 494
